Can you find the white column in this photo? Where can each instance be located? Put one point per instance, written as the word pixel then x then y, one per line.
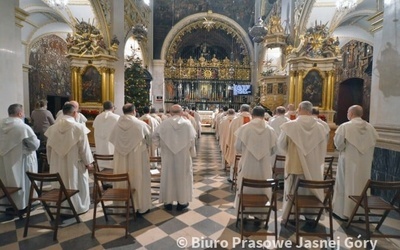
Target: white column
pixel 385 87
pixel 117 28
pixel 11 85
pixel 158 83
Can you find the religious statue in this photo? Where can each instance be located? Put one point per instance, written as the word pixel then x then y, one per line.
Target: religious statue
pixel 274 25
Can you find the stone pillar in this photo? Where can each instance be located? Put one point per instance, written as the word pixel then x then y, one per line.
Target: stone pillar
pixel 117 28
pixel 11 86
pixel 158 84
pixel 385 87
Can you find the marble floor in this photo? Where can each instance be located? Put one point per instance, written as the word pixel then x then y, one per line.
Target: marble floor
pixel 208 223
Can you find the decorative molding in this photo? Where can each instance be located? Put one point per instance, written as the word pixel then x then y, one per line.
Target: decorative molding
pixel 20 16
pixel 389 137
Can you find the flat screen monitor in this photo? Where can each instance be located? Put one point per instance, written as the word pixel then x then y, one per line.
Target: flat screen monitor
pixel 242 89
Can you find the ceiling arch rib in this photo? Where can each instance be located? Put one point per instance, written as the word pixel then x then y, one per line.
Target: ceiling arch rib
pixel 197 21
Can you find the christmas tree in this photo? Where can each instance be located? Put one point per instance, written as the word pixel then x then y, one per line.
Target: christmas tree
pixel 136 87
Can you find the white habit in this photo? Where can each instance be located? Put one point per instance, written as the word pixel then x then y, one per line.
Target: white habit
pixel 18 144
pixel 176 138
pixel 256 141
pixel 276 123
pixel 153 123
pixel 304 141
pixel 355 141
pixel 230 153
pixel 223 134
pixel 103 124
pixel 68 153
pixel 131 138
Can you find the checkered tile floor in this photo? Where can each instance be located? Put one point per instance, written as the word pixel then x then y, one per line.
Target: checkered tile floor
pixel 209 223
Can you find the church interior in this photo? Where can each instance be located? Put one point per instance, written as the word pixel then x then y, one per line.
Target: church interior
pixel 204 54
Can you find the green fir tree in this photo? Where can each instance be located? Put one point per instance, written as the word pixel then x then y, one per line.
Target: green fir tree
pixel 136 88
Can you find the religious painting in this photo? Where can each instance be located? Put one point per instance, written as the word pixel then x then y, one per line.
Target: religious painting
pixel 312 88
pixel 91 85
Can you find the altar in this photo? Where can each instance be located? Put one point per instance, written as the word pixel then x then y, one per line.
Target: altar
pixel 207 117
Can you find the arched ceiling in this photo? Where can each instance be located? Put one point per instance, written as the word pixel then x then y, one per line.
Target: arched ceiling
pixel 43 20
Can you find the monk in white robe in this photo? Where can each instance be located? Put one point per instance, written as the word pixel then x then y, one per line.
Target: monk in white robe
pixel 18 144
pixel 224 130
pixel 304 141
pixel 103 125
pixel 217 121
pixel 80 118
pixel 131 139
pixel 176 138
pixel 69 154
pixel 276 123
pixel 315 113
pixel 243 118
pixel 256 142
pixel 153 113
pixel 153 123
pixel 355 141
pixel 197 118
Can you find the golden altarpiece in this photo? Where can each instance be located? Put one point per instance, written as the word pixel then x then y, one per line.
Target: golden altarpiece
pixel 311 67
pixel 92 70
pixel 206 80
pixel 272 84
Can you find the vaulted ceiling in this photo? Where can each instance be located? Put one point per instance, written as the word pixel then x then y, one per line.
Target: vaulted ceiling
pixel 347 25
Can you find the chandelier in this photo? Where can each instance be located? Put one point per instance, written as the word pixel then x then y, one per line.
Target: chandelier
pixel 57 4
pixel 345 5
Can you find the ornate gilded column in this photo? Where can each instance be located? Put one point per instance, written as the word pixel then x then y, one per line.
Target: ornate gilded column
pixel 292 86
pixel 299 88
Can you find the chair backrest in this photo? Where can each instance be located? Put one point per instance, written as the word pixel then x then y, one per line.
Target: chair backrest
pixel 100 157
pixel 326 185
pixel 278 158
pixel 237 158
pixel 112 178
pixel 384 186
pixel 329 162
pixel 155 159
pixel 255 183
pixel 41 178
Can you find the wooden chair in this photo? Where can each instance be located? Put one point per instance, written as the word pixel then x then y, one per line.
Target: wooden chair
pixel 52 198
pixel 112 195
pixel 5 193
pixel 235 172
pixel 155 174
pixel 278 173
pixel 311 202
pixel 249 201
pixel 45 164
pixel 372 204
pixel 328 172
pixel 99 157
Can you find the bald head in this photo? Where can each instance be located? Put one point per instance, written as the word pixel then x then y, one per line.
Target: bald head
pixel 176 109
pixel 354 112
pixel 291 107
pixel 75 104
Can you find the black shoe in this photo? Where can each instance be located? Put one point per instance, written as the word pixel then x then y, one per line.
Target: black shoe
pixel 229 180
pixel 168 207
pixel 180 207
pixel 257 221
